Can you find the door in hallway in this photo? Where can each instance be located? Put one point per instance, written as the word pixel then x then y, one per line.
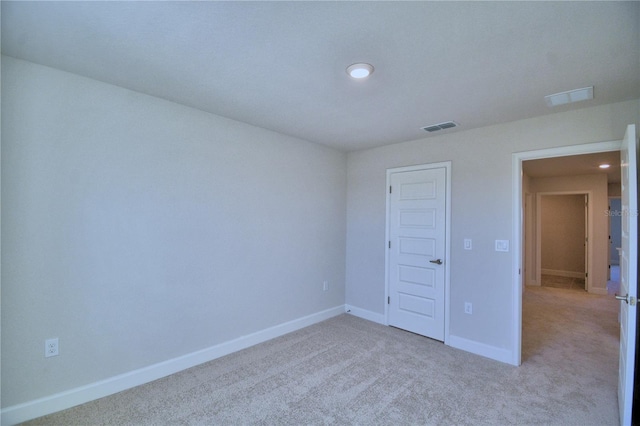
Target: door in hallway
pixel 628 273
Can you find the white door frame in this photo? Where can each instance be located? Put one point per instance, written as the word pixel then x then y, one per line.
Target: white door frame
pixel 447 238
pixel 528 238
pixel 517 159
pixel 589 225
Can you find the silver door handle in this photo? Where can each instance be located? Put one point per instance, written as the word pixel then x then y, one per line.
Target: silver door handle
pixel 628 300
pixel 437 261
pixel 625 298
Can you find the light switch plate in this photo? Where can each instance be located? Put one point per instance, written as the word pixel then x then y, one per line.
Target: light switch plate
pixel 467 243
pixel 502 245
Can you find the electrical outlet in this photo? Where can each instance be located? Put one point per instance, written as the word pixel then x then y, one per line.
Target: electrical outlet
pixel 325 286
pixel 468 308
pixel 51 347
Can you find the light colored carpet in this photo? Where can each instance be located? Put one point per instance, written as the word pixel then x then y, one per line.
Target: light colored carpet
pixel 562 282
pixel 350 371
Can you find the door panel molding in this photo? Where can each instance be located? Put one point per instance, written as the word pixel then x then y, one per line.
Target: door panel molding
pixel 446 165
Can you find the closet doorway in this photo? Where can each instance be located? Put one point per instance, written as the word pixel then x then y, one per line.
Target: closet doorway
pixel 562 240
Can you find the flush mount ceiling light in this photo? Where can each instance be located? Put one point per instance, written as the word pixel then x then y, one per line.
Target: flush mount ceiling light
pixel 570 96
pixel 360 70
pixel 604 166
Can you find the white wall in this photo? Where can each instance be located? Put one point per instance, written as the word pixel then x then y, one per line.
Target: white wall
pixel 137 230
pixel 155 230
pixel 481 210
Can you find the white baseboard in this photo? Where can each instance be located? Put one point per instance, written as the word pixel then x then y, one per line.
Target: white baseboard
pixel 365 314
pixel 482 349
pixel 568 274
pixel 67 399
pixel 498 354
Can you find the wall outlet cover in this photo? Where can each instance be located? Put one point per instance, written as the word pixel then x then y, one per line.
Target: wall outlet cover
pixel 502 245
pixel 51 347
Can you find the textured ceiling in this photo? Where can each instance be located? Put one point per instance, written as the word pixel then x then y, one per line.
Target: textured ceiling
pixel 281 65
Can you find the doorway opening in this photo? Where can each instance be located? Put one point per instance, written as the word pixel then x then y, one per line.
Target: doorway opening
pixel 562 240
pixel 574 163
pixel 627 149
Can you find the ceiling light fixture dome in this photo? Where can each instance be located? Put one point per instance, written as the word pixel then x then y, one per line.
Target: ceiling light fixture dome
pixel 360 70
pixel 604 166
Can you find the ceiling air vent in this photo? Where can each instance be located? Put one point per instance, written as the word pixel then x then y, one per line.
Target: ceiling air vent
pixel 570 96
pixel 441 126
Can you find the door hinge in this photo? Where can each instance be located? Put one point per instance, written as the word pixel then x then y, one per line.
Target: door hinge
pixel 390 190
pixel 388 300
pixel 389 243
pixel 586 274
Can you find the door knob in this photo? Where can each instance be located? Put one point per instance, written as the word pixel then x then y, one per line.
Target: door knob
pixel 437 261
pixel 626 299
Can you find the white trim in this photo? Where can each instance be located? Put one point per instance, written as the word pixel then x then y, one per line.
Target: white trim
pixel 366 314
pixel 528 256
pixel 516 190
pixel 447 243
pixel 482 349
pixel 447 267
pixel 80 395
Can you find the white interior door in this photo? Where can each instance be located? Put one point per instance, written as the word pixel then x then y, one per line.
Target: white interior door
pixel 628 273
pixel 416 226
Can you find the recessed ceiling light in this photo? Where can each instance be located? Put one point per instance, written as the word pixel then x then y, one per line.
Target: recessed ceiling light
pixel 570 96
pixel 604 166
pixel 360 70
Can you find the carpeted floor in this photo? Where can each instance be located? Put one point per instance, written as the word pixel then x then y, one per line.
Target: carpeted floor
pixel 347 371
pixel 556 281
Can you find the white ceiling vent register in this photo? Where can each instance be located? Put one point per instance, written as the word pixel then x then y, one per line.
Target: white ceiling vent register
pixel 440 126
pixel 569 96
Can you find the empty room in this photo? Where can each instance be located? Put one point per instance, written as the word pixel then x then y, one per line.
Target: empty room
pixel 315 212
